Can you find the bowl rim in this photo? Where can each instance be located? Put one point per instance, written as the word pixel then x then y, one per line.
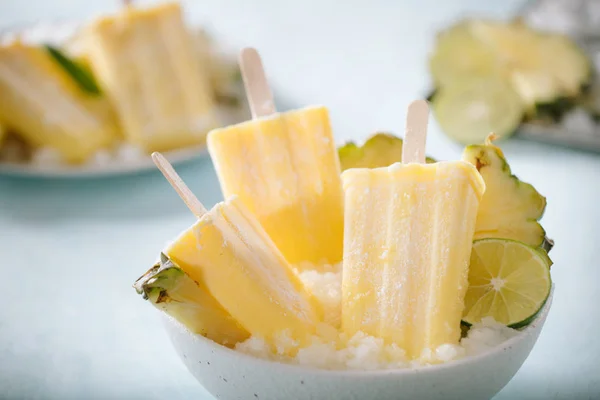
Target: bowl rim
pixel 529 330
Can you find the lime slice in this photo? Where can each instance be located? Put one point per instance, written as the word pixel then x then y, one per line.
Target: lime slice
pixel 508 281
pixel 469 110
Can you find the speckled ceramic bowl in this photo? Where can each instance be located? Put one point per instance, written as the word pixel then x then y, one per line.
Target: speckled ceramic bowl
pixel 229 375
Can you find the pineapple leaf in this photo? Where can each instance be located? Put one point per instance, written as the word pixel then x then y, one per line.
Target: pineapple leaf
pixel 83 77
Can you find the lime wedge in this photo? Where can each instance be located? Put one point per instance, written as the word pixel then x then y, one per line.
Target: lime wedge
pixel 508 281
pixel 469 110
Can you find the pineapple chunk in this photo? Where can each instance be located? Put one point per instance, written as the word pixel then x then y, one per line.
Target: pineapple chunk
pixel 175 293
pixel 510 208
pixel 46 107
pixel 380 150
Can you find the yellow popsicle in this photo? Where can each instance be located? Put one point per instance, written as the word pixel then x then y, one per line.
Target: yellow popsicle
pixel 285 170
pixel 407 244
pixel 229 252
pixel 40 102
pixel 148 66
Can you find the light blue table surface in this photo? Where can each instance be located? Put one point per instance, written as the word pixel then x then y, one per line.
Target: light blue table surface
pixel 71 326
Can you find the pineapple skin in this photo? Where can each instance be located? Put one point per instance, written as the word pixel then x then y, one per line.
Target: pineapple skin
pixel 171 290
pixel 42 104
pixel 510 208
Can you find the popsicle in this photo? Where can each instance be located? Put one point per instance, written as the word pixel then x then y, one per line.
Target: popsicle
pixel 284 168
pixel 407 244
pixel 229 252
pixel 41 103
pixel 147 64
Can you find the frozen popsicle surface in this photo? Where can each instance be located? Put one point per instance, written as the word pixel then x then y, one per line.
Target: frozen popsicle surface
pixel 407 244
pixel 40 102
pixel 232 255
pixel 148 66
pixel 285 170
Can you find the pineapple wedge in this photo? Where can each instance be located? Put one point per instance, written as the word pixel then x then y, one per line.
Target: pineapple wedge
pixel 41 103
pixel 146 63
pixel 542 66
pixel 379 150
pixel 172 291
pixel 510 208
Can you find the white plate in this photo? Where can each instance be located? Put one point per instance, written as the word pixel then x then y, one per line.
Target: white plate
pixel 116 166
pixel 96 171
pixel 58 32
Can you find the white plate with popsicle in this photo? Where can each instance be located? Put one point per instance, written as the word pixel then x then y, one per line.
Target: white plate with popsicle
pixel 19 157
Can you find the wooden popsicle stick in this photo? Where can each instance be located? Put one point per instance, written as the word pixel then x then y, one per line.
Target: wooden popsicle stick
pixel 257 87
pixel 180 187
pixel 413 148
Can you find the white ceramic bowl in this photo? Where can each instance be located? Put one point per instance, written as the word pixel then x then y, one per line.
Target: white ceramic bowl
pixel 229 375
